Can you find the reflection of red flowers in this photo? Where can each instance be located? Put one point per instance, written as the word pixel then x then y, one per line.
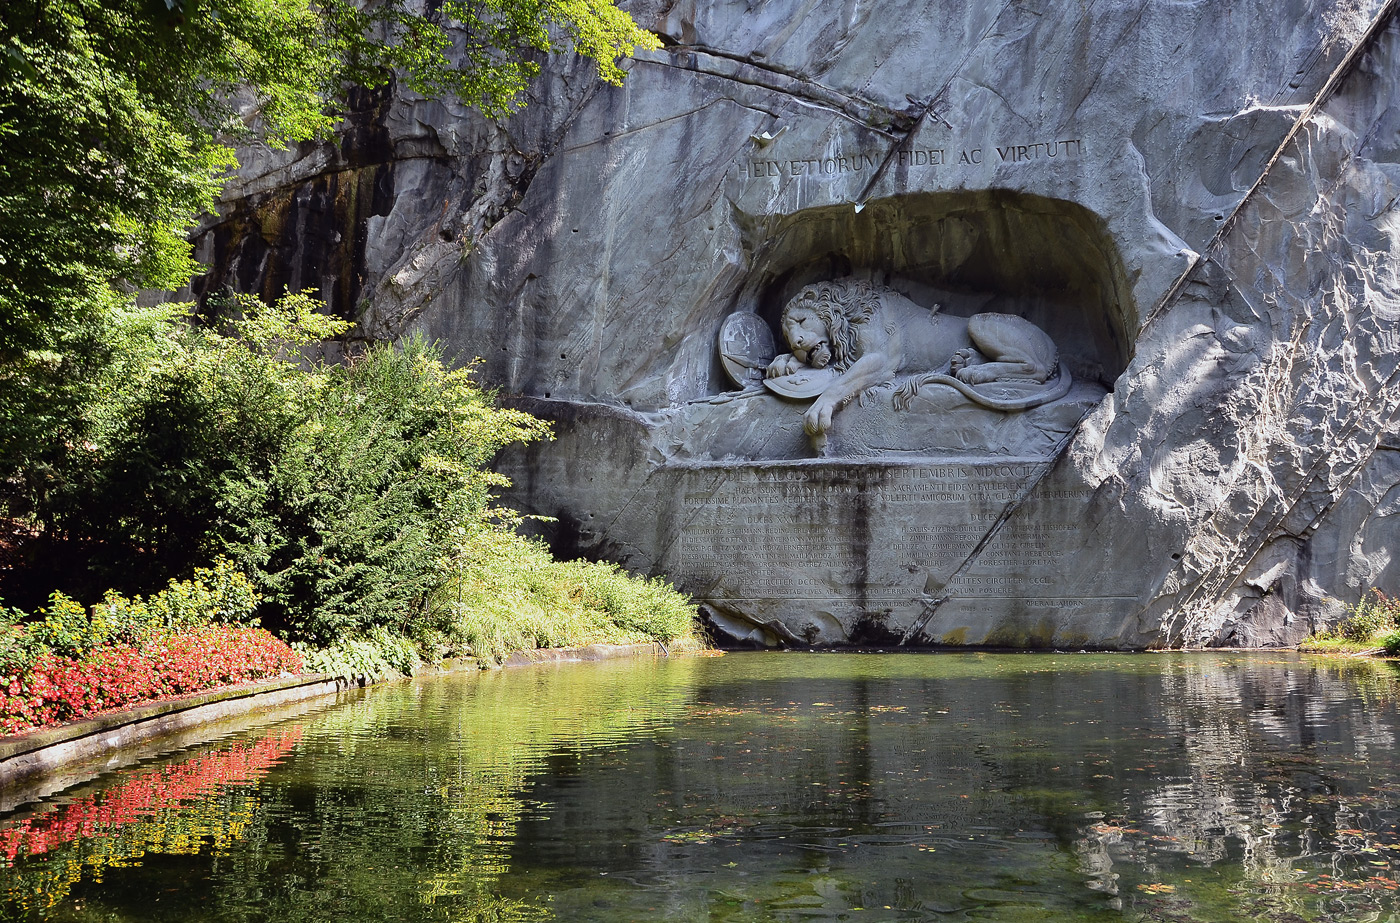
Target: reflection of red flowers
pixel 140 797
pixel 58 689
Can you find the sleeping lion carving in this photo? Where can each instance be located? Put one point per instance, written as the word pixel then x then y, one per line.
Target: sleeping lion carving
pixel 866 337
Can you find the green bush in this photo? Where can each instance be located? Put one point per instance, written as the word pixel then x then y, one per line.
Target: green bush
pixel 180 417
pixel 19 648
pixel 1390 641
pixel 356 497
pixel 221 594
pixel 649 607
pixel 378 654
pixel 1374 615
pixel 339 488
pixel 349 529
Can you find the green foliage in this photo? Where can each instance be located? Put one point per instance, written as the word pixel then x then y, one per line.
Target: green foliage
pixel 649 607
pixel 114 118
pixel 141 442
pixel 340 488
pixel 506 593
pixel 108 114
pixel 104 162
pixel 480 51
pixel 178 419
pixel 1371 623
pixel 1374 615
pixel 378 654
pixel 1390 642
pixel 357 496
pixel 219 594
pixel 68 629
pixel 20 647
pixel 348 528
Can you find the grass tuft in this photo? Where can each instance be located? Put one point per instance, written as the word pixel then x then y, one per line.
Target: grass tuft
pixel 506 593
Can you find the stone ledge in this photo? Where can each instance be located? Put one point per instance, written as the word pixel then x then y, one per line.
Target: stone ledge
pixel 24 757
pixel 592 652
pixel 28 741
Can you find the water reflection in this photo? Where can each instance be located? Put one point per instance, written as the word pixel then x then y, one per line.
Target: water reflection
pixel 766 787
pixel 203 803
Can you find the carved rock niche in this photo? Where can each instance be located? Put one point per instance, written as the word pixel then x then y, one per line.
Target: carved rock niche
pixel 917 278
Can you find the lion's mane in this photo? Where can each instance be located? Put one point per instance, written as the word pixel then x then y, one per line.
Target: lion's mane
pixel 843 306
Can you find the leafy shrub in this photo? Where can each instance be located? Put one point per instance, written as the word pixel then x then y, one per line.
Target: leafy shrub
pixel 355 496
pixel 338 488
pixel 378 655
pixel 66 629
pixel 181 413
pixel 221 594
pixel 67 661
pixel 347 532
pixel 650 607
pixel 1390 641
pixel 1372 616
pixel 218 594
pixel 19 648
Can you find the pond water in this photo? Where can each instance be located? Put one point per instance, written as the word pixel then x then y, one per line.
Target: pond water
pixel 767 787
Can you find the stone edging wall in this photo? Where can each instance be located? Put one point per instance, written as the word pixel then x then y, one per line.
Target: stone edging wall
pixel 25 757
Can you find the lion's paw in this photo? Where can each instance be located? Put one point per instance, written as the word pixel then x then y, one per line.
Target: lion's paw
pixel 976 374
pixel 786 364
pixel 962 359
pixel 817 420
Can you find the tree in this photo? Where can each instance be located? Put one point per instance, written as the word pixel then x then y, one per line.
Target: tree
pixel 116 118
pixel 340 489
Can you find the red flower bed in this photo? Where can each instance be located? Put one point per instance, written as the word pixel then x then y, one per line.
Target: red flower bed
pixel 58 689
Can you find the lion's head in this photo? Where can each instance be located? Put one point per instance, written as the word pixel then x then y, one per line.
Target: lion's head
pixel 819 322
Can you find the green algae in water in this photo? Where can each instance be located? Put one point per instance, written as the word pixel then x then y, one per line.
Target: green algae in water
pixel 773 787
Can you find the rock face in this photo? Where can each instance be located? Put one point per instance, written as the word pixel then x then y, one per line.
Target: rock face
pixel 1196 202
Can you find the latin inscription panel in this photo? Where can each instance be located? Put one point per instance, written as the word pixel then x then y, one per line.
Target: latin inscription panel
pixel 916 159
pixel 847 543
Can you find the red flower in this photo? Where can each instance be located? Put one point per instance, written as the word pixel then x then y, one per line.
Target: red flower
pixel 57 689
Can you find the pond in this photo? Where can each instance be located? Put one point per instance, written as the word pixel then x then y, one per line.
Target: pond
pixel 762 787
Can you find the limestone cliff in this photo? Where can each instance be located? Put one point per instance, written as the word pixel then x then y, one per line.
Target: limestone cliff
pixel 1196 201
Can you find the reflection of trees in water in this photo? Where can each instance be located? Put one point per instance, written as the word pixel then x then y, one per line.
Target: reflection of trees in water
pixel 1278 780
pixel 419 790
pixel 469 798
pixel 404 805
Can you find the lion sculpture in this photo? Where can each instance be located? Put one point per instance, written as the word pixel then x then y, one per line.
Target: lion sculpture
pixel 869 337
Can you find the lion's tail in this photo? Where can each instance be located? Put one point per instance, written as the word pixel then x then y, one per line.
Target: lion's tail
pixel 1053 392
